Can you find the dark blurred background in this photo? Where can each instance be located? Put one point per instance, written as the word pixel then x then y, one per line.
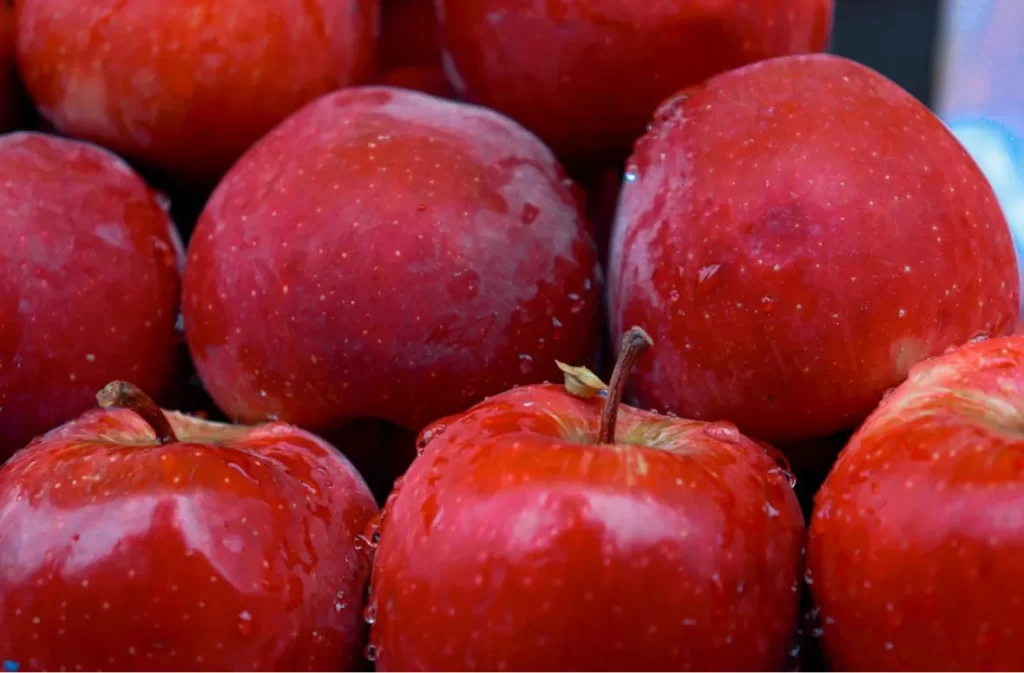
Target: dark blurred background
pixel 895 37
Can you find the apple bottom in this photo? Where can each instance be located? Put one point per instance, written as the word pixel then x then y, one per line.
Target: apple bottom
pixel 147 589
pixel 567 597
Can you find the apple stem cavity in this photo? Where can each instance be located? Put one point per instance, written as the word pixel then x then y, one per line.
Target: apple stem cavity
pixel 124 395
pixel 634 343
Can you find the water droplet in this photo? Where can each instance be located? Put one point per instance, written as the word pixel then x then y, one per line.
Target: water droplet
pixel 339 601
pixel 364 544
pixel 244 623
pixel 673 296
pixel 767 304
pixel 370 613
pixel 631 175
pixel 808 577
pixel 782 463
pixel 421 207
pixel 429 435
pixel 525 363
pixel 723 431
pixel 163 201
pixel 371 534
pixel 530 213
pixel 770 510
pixel 371 652
pixel 708 278
pixel 979 337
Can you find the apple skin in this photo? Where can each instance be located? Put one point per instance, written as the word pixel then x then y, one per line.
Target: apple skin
pixel 231 550
pixel 795 235
pixel 615 60
pixel 916 543
pixel 90 282
pixel 387 254
pixel 188 86
pixel 514 542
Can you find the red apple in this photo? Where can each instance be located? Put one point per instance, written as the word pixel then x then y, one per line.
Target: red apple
pixel 534 532
pixel 187 86
pixel 586 75
pixel 797 234
pixel 137 539
pixel 916 544
pixel 89 282
pixel 387 254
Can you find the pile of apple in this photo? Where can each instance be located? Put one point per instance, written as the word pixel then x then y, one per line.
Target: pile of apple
pixel 392 320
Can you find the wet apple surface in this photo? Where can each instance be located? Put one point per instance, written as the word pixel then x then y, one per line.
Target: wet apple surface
pixel 131 545
pixel 915 547
pixel 518 541
pixel 384 230
pixel 90 282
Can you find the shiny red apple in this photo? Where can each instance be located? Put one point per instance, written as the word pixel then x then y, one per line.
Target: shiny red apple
pixel 916 544
pixel 796 234
pixel 545 531
pixel 89 282
pixel 387 254
pixel 187 86
pixel 586 75
pixel 137 539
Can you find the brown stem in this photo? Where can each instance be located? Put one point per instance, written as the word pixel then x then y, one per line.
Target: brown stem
pixel 124 395
pixel 634 343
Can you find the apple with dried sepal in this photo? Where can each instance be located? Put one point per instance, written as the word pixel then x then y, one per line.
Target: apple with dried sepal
pixel 133 538
pixel 552 528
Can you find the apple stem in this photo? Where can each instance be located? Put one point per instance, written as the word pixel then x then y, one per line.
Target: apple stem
pixel 634 343
pixel 124 395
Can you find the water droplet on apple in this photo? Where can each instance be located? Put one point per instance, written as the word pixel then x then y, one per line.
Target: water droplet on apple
pixel 782 463
pixel 673 296
pixel 339 601
pixel 525 363
pixel 244 623
pixel 163 201
pixel 808 577
pixel 372 532
pixel 770 510
pixel 364 544
pixel 371 652
pixel 708 279
pixel 631 174
pixel 767 304
pixel 723 431
pixel 979 337
pixel 530 213
pixel 370 613
pixel 429 435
